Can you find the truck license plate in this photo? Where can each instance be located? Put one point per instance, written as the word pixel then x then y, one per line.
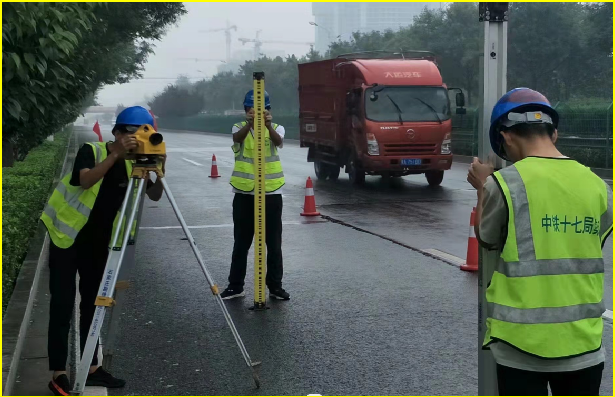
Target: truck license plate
pixel 411 161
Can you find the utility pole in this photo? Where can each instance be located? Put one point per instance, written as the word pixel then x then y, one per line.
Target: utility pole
pixel 493 86
pixel 495 17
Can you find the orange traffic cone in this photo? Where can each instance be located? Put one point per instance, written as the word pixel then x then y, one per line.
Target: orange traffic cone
pixel 214 168
pixel 309 207
pixel 471 264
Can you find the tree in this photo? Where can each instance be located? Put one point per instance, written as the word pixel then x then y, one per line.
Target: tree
pixel 552 48
pixel 56 55
pixel 177 101
pixel 119 109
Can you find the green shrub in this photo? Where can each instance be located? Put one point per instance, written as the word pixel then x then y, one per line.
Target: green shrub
pixel 583 130
pixel 25 191
pixel 223 124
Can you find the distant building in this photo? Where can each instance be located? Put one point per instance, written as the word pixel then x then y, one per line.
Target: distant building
pixel 337 21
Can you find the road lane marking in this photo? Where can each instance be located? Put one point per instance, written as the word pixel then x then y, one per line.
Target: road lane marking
pixel 203 226
pixel 608 314
pixel 193 162
pixel 446 257
pixel 203 150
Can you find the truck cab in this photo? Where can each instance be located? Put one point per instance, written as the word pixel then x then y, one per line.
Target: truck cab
pixel 389 117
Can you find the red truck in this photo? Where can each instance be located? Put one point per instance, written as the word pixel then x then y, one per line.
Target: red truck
pixel 376 116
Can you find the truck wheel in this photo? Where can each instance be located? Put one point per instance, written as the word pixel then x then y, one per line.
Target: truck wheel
pixel 321 170
pixel 334 172
pixel 355 173
pixel 434 178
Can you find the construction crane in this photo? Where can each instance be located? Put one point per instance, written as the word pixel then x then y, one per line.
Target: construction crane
pixel 258 43
pixel 202 60
pixel 227 34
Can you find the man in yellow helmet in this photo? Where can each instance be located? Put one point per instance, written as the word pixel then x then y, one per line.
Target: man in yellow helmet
pixel 548 217
pixel 242 181
pixel 80 218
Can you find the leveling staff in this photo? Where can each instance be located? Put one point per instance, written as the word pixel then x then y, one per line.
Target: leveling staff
pixel 80 220
pixel 548 217
pixel 242 181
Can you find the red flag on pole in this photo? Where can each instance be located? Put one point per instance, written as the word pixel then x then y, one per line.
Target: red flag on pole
pixel 96 129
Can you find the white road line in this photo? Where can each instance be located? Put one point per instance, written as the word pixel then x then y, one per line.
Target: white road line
pixel 202 226
pixel 452 259
pixel 608 314
pixel 95 391
pixel 190 161
pixel 446 257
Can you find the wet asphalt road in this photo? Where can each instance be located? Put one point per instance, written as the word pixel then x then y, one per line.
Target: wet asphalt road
pixel 366 316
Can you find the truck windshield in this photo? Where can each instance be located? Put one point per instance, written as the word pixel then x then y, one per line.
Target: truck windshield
pixel 415 104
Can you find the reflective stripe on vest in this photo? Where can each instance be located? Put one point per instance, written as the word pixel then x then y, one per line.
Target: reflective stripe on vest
pixel 69 207
pixel 545 297
pixel 243 172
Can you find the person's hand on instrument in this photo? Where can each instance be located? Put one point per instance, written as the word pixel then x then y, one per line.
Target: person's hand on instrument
pixel 478 173
pixel 267 118
pixel 125 143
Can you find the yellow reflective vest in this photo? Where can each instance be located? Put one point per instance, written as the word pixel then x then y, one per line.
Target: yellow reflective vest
pixel 243 174
pixel 69 207
pixel 545 297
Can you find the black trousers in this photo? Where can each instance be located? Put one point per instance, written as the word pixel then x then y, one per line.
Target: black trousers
pixel 243 220
pixel 516 382
pixel 89 261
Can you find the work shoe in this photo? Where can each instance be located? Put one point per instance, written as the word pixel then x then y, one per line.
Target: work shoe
pixel 231 293
pixel 60 386
pixel 100 377
pixel 279 293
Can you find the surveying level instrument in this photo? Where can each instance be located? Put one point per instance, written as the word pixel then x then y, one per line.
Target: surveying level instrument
pixel 492 87
pixel 260 252
pixel 146 158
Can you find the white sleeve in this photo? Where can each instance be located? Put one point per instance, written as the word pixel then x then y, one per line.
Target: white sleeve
pixel 235 129
pixel 281 131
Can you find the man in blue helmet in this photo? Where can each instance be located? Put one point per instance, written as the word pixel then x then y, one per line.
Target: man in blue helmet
pixel 80 217
pixel 547 217
pixel 242 181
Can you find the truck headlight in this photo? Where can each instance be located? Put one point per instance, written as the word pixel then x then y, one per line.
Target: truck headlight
pixel 372 145
pixel 446 144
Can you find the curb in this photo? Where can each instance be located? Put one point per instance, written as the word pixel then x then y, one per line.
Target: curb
pixel 19 310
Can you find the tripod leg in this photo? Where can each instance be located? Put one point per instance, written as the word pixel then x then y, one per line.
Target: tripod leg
pixel 120 290
pixel 106 289
pixel 214 287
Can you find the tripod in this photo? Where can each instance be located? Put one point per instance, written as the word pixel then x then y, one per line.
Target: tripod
pixel 133 199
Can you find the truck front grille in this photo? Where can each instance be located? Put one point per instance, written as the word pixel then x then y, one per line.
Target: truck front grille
pixel 402 149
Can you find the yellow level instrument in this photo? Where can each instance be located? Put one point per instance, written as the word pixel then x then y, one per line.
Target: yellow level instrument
pixel 260 252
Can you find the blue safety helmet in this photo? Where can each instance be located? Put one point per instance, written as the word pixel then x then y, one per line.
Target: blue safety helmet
pixel 248 102
pixel 519 106
pixel 134 116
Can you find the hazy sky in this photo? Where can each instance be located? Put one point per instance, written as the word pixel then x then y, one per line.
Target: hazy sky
pixel 278 21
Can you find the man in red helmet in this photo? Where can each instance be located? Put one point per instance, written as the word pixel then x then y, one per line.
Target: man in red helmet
pixel 548 217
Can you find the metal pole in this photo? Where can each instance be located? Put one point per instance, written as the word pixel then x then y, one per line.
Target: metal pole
pixel 107 286
pixel 480 127
pixel 123 283
pixel 495 18
pixel 494 83
pixel 606 136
